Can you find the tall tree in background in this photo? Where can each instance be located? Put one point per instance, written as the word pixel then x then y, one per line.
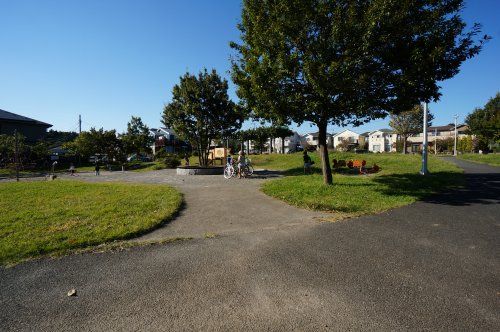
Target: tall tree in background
pixel 137 138
pixel 345 61
pixel 201 110
pixel 409 123
pixel 485 122
pixel 94 141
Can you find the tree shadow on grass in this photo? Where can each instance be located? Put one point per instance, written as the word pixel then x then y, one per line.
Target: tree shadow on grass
pixel 447 188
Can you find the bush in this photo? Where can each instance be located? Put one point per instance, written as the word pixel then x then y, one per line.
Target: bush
pixel 172 160
pixel 161 154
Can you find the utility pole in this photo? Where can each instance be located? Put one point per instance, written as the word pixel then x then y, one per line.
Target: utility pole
pixel 455 145
pixel 79 124
pixel 424 170
pixel 16 153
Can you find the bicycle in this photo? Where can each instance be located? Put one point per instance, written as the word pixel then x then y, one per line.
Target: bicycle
pixel 229 171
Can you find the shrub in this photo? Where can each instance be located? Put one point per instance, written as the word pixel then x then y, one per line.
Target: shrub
pixel 161 154
pixel 172 160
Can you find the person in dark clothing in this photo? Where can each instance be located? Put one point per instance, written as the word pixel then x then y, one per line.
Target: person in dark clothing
pixel 97 169
pixel 307 163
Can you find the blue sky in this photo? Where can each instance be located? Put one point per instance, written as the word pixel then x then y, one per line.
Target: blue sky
pixel 110 59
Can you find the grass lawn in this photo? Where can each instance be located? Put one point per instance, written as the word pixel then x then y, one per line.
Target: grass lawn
pixel 53 217
pixel 397 184
pixel 492 159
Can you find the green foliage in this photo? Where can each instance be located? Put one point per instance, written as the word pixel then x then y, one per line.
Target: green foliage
pixel 94 141
pixel 55 138
pixel 465 144
pixel 346 62
pixel 172 160
pixel 485 122
pixel 41 217
pixel 409 123
pixel 137 139
pixel 201 110
pixel 445 144
pixel 492 159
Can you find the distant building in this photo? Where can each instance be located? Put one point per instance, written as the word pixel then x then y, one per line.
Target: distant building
pixel 311 139
pixel 166 139
pixel 382 140
pixel 437 133
pixel 32 129
pixel 291 143
pixel 346 135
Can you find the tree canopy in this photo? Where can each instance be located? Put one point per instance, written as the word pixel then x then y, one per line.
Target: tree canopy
pixel 409 123
pixel 137 138
pixel 345 61
pixel 201 111
pixel 485 122
pixel 94 141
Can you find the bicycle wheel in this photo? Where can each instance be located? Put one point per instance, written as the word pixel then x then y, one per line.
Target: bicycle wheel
pixel 228 172
pixel 249 170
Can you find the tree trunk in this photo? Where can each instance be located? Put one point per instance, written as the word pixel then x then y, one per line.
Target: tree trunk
pixel 323 151
pixel 404 144
pixel 282 145
pixel 248 147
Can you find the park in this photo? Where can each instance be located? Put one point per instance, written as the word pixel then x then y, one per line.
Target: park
pixel 228 215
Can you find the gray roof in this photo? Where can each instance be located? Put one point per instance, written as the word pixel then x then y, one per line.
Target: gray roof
pixel 11 117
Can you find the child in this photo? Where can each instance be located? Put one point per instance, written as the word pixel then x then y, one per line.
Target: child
pixel 307 163
pixel 241 163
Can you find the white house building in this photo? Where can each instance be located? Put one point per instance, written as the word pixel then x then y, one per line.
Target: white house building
pixel 382 140
pixel 290 143
pixel 311 139
pixel 345 135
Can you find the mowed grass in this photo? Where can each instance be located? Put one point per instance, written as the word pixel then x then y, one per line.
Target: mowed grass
pixel 52 217
pixel 398 183
pixel 492 159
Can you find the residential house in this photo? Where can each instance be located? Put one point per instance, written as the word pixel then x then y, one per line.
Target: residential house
pixel 382 140
pixel 165 138
pixel 363 140
pixel 290 143
pixel 311 140
pixel 346 135
pixel 436 133
pixel 33 130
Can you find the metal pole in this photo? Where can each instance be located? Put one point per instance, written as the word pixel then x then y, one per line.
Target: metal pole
pixel 424 170
pixel 455 145
pixel 79 124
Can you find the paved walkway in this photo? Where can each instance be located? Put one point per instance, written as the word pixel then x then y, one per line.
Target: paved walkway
pixel 433 265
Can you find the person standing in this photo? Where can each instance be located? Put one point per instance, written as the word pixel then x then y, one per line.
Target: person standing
pixel 72 169
pixel 97 169
pixel 307 163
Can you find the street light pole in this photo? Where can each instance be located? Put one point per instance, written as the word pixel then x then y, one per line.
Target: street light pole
pixel 455 145
pixel 424 170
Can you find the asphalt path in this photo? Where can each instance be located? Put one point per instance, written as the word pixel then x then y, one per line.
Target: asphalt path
pixel 433 265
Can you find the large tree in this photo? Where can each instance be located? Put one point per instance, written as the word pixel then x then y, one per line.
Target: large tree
pixel 485 122
pixel 201 111
pixel 346 61
pixel 137 138
pixel 95 141
pixel 409 123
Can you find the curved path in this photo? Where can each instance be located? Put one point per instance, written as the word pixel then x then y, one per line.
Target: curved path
pixel 433 265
